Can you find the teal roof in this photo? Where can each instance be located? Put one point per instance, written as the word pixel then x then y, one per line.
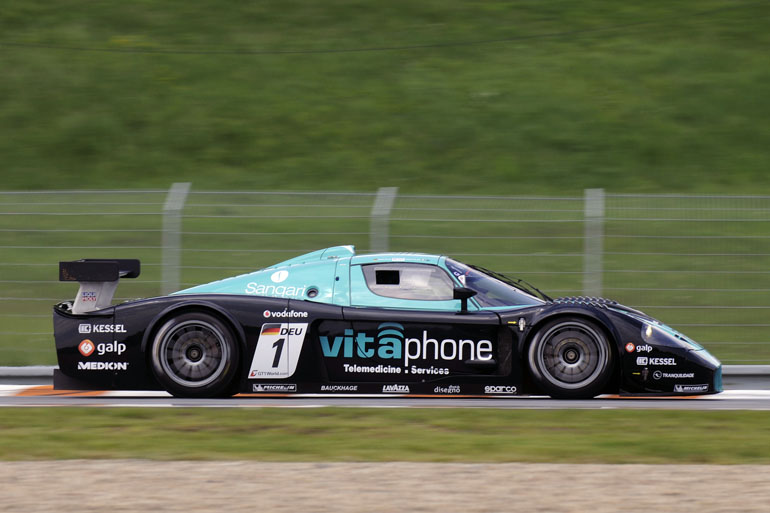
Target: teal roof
pixel 419 258
pixel 321 254
pixel 323 276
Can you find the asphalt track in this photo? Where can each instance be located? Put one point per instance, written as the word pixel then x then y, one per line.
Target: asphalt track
pixel 45 396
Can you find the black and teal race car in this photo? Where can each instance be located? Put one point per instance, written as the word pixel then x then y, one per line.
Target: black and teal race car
pixel 333 322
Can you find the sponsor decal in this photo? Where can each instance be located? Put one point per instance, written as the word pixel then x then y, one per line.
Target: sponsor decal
pixel 102 366
pixel 461 276
pixel 111 347
pixel 86 347
pixel 500 389
pixel 663 361
pixel 101 328
pixel 395 389
pixel 372 369
pixel 284 314
pixel 691 388
pixel 88 296
pixel 630 347
pixel 274 290
pixel 339 388
pixel 279 276
pixel 644 348
pixel 641 360
pixel 430 370
pixel 262 387
pixel 391 344
pixel 450 389
pixel 277 350
pixel 677 375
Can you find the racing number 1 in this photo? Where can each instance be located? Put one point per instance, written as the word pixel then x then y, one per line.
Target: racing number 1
pixel 277 351
pixel 278 346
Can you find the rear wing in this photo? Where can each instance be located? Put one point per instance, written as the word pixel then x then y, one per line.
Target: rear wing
pixel 98 280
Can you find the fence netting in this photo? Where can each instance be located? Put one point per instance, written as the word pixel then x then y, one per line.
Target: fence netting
pixel 698 263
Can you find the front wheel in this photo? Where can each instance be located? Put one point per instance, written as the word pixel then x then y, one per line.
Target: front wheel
pixel 195 355
pixel 571 358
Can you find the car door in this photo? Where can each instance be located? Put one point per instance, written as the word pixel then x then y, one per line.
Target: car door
pixel 417 337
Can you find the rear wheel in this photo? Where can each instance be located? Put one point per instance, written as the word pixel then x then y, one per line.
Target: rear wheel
pixel 571 358
pixel 195 355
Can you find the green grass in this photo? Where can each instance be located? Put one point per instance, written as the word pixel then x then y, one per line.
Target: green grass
pixel 354 434
pixel 654 97
pixel 450 96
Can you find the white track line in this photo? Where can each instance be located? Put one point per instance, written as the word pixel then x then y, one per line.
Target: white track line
pixel 15 390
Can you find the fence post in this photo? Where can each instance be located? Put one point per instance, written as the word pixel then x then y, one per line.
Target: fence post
pixel 380 218
pixel 593 245
pixel 171 244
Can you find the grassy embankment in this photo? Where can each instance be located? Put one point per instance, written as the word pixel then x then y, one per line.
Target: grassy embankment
pixel 351 434
pixel 433 97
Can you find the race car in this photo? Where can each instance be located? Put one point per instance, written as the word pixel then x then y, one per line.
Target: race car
pixel 334 322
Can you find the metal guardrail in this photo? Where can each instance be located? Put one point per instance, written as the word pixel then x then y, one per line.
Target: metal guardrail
pixel 32 371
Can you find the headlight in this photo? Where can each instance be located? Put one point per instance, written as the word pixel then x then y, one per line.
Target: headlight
pixel 666 336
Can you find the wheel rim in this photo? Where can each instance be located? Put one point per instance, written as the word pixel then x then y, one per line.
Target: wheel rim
pixel 572 355
pixel 193 353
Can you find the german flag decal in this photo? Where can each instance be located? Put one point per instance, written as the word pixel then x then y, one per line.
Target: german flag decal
pixel 271 329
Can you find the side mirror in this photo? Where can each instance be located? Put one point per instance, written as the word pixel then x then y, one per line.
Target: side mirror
pixel 463 293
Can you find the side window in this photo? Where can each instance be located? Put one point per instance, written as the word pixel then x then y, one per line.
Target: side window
pixel 409 281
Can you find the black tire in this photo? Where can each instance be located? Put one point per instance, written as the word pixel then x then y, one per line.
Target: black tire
pixel 571 358
pixel 195 355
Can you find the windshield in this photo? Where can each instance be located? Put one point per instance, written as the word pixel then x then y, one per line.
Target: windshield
pixel 490 290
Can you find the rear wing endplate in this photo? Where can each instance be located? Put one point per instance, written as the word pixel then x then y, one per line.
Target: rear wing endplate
pixel 98 280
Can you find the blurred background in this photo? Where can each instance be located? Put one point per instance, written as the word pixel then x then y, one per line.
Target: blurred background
pixel 587 147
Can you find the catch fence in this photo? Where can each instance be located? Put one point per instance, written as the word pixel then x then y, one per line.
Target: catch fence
pixel 699 263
